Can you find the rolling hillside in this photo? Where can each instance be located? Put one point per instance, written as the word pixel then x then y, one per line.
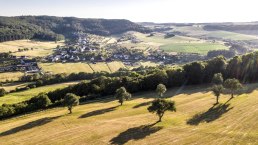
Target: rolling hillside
pixel 54 28
pixel 197 121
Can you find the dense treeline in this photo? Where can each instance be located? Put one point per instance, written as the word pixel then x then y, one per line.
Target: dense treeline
pixel 244 68
pixel 55 28
pixel 13 28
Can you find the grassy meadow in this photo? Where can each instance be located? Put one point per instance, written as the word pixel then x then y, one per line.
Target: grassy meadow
pixel 201 48
pixel 180 43
pixel 26 95
pixel 197 121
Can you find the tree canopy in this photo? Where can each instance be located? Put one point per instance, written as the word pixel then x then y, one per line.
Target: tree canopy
pixel 160 106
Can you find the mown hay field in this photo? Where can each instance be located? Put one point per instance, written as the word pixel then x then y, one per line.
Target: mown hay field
pixel 197 121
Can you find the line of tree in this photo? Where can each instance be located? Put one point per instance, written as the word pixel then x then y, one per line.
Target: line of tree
pixel 243 68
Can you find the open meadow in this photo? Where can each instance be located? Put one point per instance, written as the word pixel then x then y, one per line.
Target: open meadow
pixel 196 121
pixel 180 43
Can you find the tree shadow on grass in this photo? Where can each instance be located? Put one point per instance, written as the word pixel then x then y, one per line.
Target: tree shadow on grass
pixel 98 112
pixel 29 125
pixel 142 104
pixel 135 133
pixel 212 114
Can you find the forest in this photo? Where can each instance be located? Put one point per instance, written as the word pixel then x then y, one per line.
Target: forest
pixel 50 28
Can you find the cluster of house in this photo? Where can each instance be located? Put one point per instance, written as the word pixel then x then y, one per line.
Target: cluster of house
pixel 22 64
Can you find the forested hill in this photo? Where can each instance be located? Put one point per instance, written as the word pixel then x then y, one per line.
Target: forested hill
pixel 54 28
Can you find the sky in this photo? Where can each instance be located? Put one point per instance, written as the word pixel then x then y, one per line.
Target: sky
pixel 179 11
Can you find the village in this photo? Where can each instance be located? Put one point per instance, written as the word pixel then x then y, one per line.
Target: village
pixel 87 49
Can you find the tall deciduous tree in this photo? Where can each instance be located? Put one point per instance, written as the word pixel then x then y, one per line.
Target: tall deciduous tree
pixel 160 106
pixel 217 79
pixel 122 95
pixel 161 89
pixel 71 100
pixel 217 90
pixel 232 85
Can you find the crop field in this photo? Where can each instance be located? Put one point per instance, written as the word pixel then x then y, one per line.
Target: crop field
pixel 57 68
pixel 10 76
pixel 197 121
pixel 39 48
pixel 25 95
pixel 115 65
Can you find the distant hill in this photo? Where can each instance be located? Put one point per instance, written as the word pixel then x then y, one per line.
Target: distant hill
pixel 244 28
pixel 54 28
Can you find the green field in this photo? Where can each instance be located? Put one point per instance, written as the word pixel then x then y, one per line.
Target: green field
pixel 25 95
pixel 201 48
pixel 180 43
pixel 40 48
pixel 197 121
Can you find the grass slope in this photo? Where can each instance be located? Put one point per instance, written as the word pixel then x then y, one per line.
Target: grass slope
pixel 26 95
pixel 197 121
pixel 40 48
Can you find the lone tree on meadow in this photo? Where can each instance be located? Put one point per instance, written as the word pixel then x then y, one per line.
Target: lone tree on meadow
pixel 232 85
pixel 161 89
pixel 160 106
pixel 71 100
pixel 2 92
pixel 217 90
pixel 122 95
pixel 217 79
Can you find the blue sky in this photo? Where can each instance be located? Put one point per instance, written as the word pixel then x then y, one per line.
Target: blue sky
pixel 138 10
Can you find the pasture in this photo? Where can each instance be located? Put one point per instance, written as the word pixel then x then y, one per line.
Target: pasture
pixel 197 121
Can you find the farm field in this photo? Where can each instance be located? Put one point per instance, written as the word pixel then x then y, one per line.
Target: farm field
pixel 25 95
pixel 180 43
pixel 199 31
pixel 69 68
pixel 201 48
pixel 197 121
pixel 57 68
pixel 40 48
pixel 10 76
